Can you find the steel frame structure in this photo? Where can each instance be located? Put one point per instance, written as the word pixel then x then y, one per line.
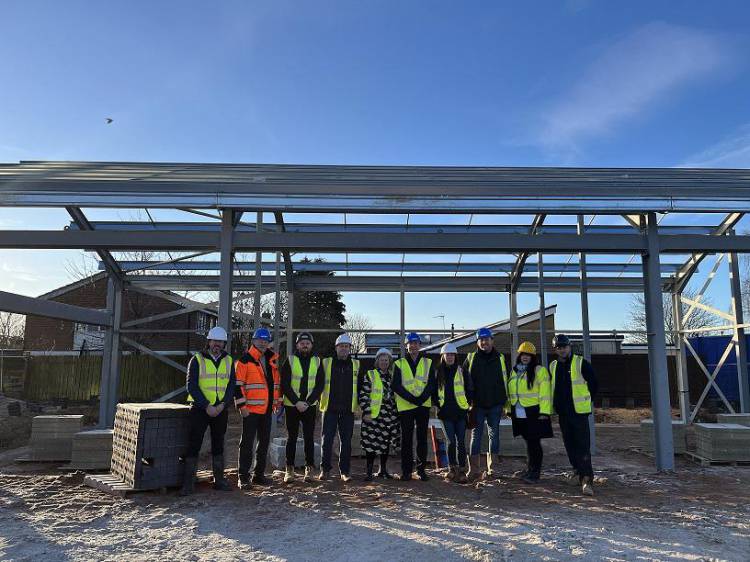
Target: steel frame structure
pixel 223 194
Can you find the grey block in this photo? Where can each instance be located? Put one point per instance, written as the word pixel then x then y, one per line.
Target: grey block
pixel 722 441
pixel 52 437
pixel 92 449
pixel 742 419
pixel 679 436
pixel 277 453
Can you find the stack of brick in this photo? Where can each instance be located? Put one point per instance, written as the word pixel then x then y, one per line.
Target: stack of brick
pixel 52 437
pixel 148 443
pixel 678 436
pixel 722 441
pixel 92 450
pixel 742 419
pixel 277 453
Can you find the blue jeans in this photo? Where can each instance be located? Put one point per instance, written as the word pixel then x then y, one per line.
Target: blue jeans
pixel 456 430
pixel 490 416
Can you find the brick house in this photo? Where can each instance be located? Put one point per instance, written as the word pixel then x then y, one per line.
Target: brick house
pixel 60 336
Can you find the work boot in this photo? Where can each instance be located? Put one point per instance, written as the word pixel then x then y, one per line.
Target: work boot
pixel 492 463
pixel 324 475
pixel 260 480
pixel 345 477
pixel 243 482
pixel 572 477
pixel 474 466
pixel 532 477
pixel 188 481
pixel 406 476
pixel 422 475
pixel 308 474
pixel 461 477
pixel 587 486
pixel 451 474
pixel 370 465
pixel 220 483
pixel 289 474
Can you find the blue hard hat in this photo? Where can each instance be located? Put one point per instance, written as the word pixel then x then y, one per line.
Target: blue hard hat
pixel 413 336
pixel 262 334
pixel 484 333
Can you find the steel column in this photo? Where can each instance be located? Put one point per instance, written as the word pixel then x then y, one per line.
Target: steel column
pixel 289 323
pixel 258 273
pixel 227 272
pixel 402 333
pixel 585 323
pixel 513 307
pixel 109 385
pixel 277 303
pixel 740 343
pixel 657 346
pixel 683 388
pixel 542 313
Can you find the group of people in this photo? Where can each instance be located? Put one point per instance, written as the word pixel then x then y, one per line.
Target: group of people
pixel 395 397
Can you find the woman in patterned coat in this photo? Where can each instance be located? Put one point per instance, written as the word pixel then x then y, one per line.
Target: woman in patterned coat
pixel 380 425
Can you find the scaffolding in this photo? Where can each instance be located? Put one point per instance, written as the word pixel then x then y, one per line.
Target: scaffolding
pixel 649 213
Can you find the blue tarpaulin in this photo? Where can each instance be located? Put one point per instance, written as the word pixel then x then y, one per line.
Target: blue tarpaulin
pixel 710 349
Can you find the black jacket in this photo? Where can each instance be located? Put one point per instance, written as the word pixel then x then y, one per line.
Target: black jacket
pixel 286 381
pixel 487 379
pixel 398 386
pixel 450 409
pixel 194 389
pixel 342 380
pixel 563 398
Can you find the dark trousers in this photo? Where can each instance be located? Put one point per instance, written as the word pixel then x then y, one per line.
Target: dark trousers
pixel 344 424
pixel 293 419
pixel 534 455
pixel 577 440
pixel 419 417
pixel 254 425
pixel 199 421
pixel 456 431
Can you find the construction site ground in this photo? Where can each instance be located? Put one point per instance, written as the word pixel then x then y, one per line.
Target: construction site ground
pixel 695 513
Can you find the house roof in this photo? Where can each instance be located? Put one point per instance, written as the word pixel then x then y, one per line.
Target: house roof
pixel 466 338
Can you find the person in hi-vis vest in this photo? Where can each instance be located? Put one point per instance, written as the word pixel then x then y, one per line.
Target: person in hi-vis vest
pixel 573 384
pixel 210 386
pixel 338 402
pixel 302 381
pixel 413 385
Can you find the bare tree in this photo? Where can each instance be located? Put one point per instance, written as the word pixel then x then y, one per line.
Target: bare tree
pixel 11 330
pixel 699 318
pixel 357 321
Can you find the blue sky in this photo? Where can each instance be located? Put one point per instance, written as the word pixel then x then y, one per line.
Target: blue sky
pixel 473 83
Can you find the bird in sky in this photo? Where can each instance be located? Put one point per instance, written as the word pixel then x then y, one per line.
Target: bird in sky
pixel 108 120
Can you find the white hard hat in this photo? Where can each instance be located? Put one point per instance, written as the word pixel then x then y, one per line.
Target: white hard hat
pixel 448 348
pixel 384 351
pixel 343 338
pixel 217 333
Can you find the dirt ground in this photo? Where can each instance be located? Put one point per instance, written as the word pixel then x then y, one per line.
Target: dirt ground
pixel 695 513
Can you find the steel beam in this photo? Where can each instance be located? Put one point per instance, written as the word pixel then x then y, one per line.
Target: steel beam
pixel 542 314
pixel 366 243
pixel 513 317
pixel 20 304
pixel 657 345
pixel 740 342
pixel 84 224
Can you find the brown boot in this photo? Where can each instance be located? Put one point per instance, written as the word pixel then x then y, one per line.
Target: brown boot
pixel 451 474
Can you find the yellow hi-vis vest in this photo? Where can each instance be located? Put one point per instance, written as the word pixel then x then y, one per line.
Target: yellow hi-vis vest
pixel 414 383
pixel 376 392
pixel 581 394
pixel 297 374
pixel 540 394
pixel 212 380
pixel 327 365
pixel 458 390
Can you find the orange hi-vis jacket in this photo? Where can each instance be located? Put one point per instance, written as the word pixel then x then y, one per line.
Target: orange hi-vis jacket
pixel 251 392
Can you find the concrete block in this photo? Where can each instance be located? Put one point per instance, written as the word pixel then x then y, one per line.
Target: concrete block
pixel 722 441
pixel 742 419
pixel 277 453
pixel 52 437
pixel 679 436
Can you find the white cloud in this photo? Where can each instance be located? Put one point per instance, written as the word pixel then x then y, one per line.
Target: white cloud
pixel 628 78
pixel 731 152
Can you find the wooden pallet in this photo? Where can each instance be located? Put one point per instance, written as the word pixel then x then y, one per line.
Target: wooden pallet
pixel 114 486
pixel 710 462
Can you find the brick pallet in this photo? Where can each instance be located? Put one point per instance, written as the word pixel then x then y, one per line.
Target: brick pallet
pixel 742 419
pixel 92 450
pixel 148 442
pixel 678 436
pixel 52 437
pixel 728 442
